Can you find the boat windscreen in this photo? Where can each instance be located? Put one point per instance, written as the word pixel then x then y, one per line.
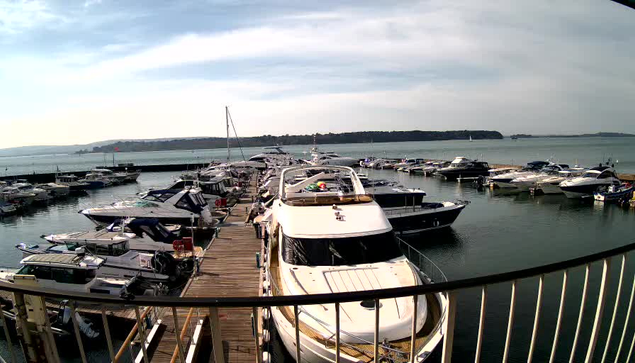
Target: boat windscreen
pixel 340 251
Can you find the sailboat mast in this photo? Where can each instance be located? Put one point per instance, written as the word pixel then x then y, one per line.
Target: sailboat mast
pixel 227 124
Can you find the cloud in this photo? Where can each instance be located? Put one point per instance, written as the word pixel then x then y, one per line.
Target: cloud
pixel 17 16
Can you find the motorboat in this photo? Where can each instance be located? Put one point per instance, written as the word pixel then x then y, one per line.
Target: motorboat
pixel 273 155
pixel 114 177
pixel 503 180
pixel 96 180
pixel 7 209
pixel 55 190
pixel 21 186
pixel 383 164
pixel 425 216
pixel 14 195
pixel 590 182
pixel 142 234
pixel 119 260
pixel 404 164
pixel 330 158
pixel 213 189
pixel 614 193
pixel 462 167
pixel 330 237
pixel 185 207
pixel 530 181
pixel 68 272
pixel 72 182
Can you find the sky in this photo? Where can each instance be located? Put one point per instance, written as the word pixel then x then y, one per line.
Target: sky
pixel 74 72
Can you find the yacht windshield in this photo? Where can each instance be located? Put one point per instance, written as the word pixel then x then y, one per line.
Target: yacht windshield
pixel 340 251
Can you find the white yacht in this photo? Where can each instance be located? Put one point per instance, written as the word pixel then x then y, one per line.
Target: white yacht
pixel 528 181
pixel 55 190
pixel 185 207
pixel 330 158
pixel 273 155
pixel 119 260
pixel 589 182
pixel 142 234
pixel 68 272
pixel 503 180
pixel 329 237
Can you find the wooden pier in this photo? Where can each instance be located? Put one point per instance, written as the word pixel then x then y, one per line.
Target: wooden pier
pixel 228 268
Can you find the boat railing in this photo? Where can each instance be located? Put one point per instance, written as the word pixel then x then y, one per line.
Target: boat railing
pixel 605 320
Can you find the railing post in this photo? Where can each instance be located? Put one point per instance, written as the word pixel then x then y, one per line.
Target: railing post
pixel 7 334
pixel 142 334
pixel 628 316
pixel 256 335
pixel 448 339
pixel 217 341
pixel 481 325
pixel 376 340
pixel 510 322
pixel 556 335
pixel 104 320
pixel 617 304
pixel 413 331
pixel 581 313
pixel 177 334
pixel 20 316
pixel 337 332
pixel 78 335
pixel 49 338
pixel 599 312
pixel 296 314
pixel 534 333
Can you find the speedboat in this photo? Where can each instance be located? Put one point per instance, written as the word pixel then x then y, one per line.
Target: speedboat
pixel 55 190
pixel 7 209
pixel 462 167
pixel 407 163
pixel 96 180
pixel 504 180
pixel 614 193
pixel 530 181
pixel 330 237
pixel 72 182
pixel 142 234
pixel 13 194
pixel 119 260
pixel 185 207
pixel 274 155
pixel 590 182
pixel 330 158
pixel 68 272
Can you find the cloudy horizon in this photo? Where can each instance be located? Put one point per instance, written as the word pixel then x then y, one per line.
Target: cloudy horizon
pixel 76 72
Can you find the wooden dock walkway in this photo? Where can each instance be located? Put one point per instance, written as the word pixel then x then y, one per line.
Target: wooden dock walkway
pixel 228 269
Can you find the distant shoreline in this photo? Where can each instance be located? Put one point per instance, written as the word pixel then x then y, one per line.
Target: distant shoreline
pixel 599 134
pixel 286 140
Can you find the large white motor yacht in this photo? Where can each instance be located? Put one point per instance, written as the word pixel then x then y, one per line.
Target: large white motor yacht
pixel 589 182
pixel 169 206
pixel 330 158
pixel 329 237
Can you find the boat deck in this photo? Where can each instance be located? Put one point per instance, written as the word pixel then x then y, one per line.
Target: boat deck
pixel 228 269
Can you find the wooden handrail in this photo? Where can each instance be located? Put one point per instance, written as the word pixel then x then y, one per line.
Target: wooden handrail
pixel 133 332
pixel 175 355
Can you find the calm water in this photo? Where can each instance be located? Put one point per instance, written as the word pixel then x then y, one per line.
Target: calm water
pixel 495 233
pixel 582 151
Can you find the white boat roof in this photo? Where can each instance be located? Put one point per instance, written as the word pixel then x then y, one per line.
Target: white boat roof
pixel 320 221
pixel 65 260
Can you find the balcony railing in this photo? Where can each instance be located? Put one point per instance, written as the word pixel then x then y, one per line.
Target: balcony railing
pixel 594 347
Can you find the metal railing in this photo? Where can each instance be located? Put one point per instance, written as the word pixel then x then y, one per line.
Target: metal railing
pixel 594 347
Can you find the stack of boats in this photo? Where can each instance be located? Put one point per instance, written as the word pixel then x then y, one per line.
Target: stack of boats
pixel 552 178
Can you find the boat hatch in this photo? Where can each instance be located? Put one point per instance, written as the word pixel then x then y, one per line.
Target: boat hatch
pixel 152 228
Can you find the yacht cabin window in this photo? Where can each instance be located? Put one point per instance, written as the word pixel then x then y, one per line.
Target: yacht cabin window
pixel 61 275
pixel 340 251
pixel 160 197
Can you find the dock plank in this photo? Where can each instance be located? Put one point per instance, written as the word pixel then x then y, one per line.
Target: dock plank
pixel 228 268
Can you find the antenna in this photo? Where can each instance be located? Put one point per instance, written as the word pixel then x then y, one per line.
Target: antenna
pixel 227 126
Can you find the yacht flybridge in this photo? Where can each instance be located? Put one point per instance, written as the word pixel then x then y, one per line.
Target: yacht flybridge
pixel 329 236
pixel 330 158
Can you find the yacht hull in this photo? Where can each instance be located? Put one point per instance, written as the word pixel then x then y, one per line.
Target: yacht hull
pixel 548 188
pixel 106 220
pixel 580 191
pixel 424 219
